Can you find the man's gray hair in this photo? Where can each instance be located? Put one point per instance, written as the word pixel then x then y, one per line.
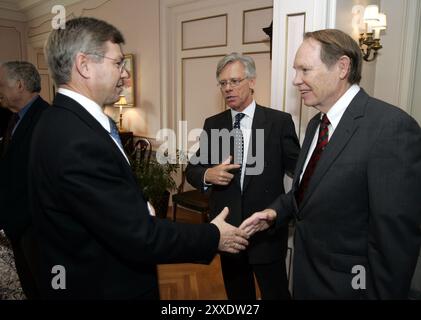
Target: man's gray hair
pixel 25 72
pixel 82 34
pixel 246 61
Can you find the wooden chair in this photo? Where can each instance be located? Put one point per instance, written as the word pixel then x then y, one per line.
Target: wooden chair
pixel 142 150
pixel 193 200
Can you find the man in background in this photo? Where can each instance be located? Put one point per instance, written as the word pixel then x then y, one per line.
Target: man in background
pixel 238 188
pixel 91 218
pixel 356 191
pixel 20 85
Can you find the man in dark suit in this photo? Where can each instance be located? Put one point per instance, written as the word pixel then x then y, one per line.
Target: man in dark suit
pixel 270 140
pixel 356 191
pixel 20 85
pixel 96 235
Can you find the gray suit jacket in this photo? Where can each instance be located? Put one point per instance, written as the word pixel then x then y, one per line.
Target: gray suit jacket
pixel 362 206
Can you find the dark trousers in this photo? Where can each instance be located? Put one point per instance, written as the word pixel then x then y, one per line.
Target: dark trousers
pixel 239 282
pixel 25 254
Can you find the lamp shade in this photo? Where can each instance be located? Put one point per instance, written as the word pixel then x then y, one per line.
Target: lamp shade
pixel 121 102
pixel 371 13
pixel 382 23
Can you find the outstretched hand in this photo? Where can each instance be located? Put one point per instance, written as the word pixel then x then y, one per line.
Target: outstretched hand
pixel 259 221
pixel 232 239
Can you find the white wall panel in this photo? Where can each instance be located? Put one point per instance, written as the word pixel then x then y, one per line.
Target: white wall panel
pixel 201 96
pixel 11 48
pixel 205 32
pixel 263 80
pixel 254 21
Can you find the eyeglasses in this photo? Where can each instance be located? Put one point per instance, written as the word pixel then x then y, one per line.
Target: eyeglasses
pixel 232 82
pixel 120 63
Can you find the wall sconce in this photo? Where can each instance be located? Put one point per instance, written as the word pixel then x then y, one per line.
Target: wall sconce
pixel 122 102
pixel 369 41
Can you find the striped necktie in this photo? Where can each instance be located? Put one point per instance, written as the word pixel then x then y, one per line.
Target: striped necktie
pixel 322 142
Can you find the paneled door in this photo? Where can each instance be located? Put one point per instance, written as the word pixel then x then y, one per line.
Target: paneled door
pixel 198 34
pixel 290 21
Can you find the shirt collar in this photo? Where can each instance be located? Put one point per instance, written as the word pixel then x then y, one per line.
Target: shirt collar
pixel 335 113
pixel 248 111
pixel 89 105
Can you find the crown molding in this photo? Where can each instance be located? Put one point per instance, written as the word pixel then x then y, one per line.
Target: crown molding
pixel 27 10
pixel 9 14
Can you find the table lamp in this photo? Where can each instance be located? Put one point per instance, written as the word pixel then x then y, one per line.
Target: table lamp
pixel 121 102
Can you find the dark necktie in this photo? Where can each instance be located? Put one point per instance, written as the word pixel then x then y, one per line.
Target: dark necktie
pixel 322 141
pixel 114 132
pixel 14 119
pixel 238 139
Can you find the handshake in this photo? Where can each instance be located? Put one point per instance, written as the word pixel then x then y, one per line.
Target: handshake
pixel 233 239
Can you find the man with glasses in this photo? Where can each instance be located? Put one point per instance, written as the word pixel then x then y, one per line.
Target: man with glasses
pixel 232 182
pixel 92 220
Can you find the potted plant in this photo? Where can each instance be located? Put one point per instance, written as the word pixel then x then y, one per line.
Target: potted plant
pixel 156 180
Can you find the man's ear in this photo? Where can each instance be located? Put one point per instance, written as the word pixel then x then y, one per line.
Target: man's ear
pixel 252 84
pixel 344 64
pixel 19 85
pixel 82 65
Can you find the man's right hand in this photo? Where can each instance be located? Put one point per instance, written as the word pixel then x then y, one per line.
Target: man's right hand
pixel 231 239
pixel 219 175
pixel 259 221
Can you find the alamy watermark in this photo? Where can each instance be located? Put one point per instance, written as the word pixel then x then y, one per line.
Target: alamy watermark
pixel 59 20
pixel 359 281
pixel 215 146
pixel 58 282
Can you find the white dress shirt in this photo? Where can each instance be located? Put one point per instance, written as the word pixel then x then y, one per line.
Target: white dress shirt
pixel 334 115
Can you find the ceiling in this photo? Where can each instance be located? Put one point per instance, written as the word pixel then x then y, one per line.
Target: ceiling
pixel 19 5
pixel 25 10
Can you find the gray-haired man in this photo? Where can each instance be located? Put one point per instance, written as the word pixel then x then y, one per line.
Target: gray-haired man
pixel 20 85
pixel 240 189
pixel 92 220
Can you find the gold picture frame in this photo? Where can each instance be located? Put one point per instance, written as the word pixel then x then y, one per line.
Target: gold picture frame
pixel 130 83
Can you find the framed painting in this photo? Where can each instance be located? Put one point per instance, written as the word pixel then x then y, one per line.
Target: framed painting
pixel 129 84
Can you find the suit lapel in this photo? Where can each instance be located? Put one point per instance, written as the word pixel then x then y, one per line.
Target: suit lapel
pixel 25 123
pixel 63 101
pixel 227 120
pixel 259 122
pixel 346 128
pixel 313 125
pixel 226 123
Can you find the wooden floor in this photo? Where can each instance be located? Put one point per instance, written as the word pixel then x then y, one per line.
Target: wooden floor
pixel 187 281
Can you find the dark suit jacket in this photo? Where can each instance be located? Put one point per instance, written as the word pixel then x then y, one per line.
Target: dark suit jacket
pixel 281 148
pixel 15 217
pixel 91 217
pixel 362 206
pixel 4 119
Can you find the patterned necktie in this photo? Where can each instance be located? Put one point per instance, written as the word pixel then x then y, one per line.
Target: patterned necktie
pixel 238 139
pixel 322 142
pixel 114 132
